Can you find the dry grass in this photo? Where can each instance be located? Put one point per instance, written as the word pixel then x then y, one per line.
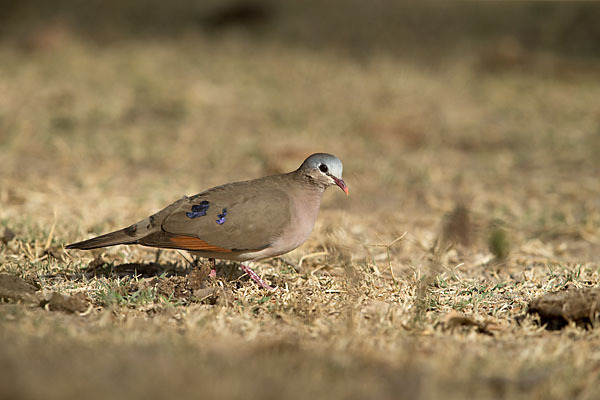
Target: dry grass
pixel 492 174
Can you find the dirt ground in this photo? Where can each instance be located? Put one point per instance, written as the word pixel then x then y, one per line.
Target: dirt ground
pixel 464 263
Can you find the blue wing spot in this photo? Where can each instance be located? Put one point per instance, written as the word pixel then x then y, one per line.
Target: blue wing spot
pixel 221 217
pixel 198 210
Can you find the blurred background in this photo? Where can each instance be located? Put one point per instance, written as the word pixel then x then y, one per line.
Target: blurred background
pixel 474 127
pixel 351 27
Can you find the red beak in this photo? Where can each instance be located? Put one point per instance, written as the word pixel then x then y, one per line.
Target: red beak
pixel 340 182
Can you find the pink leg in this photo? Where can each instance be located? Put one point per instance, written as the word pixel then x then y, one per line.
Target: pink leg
pixel 255 277
pixel 213 271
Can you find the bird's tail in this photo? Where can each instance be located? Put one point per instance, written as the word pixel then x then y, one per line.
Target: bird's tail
pixel 122 236
pixel 130 235
pixel 108 239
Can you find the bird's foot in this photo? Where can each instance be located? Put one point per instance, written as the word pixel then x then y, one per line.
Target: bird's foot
pixel 213 270
pixel 256 278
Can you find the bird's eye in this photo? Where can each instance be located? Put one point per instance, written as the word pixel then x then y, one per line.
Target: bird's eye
pixel 323 168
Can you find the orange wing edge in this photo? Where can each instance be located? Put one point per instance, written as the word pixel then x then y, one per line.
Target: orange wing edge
pixel 193 243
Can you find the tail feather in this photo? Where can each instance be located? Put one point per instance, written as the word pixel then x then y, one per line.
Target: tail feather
pixel 122 236
pixel 130 235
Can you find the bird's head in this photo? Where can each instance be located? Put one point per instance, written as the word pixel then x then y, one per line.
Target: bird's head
pixel 324 170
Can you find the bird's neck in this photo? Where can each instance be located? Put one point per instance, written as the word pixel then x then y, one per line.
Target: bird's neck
pixel 309 184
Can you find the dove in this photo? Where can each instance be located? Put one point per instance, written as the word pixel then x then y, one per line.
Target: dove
pixel 242 221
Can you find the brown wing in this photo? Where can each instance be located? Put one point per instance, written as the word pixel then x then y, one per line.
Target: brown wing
pixel 239 216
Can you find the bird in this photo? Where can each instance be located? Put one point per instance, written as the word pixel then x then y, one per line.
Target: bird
pixel 243 221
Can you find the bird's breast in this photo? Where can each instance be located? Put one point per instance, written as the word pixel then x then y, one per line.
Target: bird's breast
pixel 305 209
